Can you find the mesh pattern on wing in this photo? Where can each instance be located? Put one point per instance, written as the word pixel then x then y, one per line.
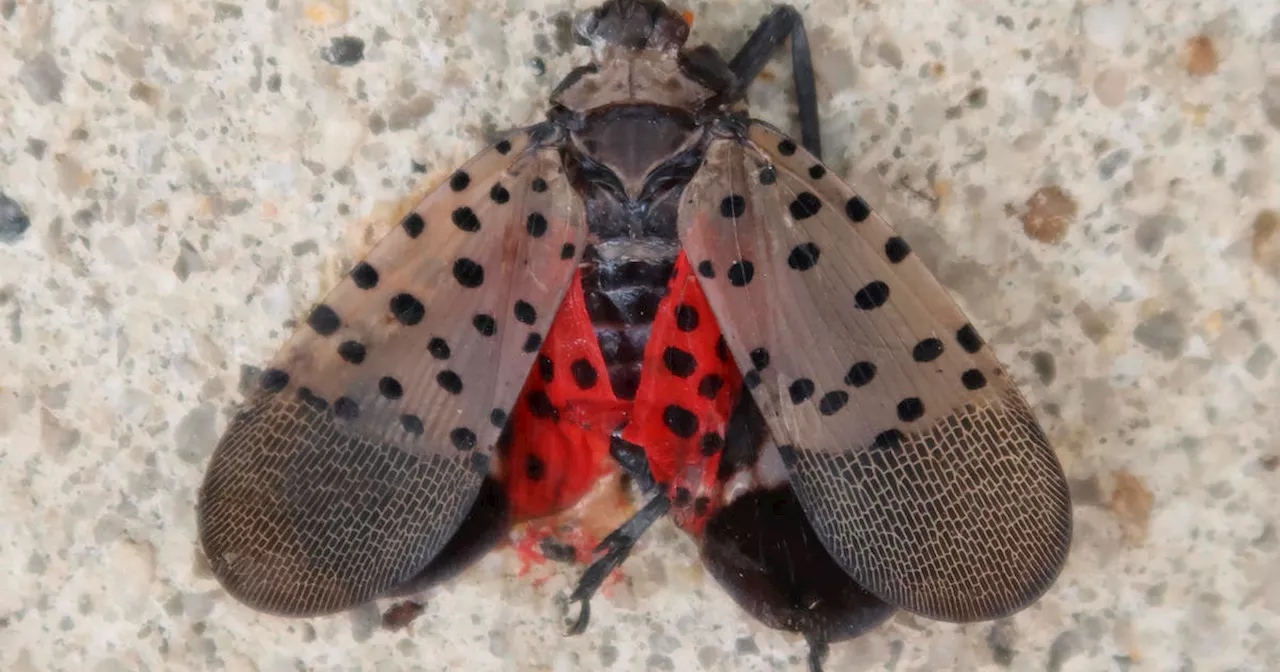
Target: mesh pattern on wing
pixel 981 495
pixel 300 518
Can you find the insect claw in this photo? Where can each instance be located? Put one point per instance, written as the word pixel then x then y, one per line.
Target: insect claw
pixel 574 626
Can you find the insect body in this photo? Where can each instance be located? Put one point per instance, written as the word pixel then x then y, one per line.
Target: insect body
pixel 652 281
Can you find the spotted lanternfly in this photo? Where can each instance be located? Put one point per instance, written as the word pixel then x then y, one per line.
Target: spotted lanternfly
pixel 652 282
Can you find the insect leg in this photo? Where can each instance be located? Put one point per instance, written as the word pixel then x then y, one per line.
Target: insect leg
pixel 784 21
pixel 617 546
pixel 633 461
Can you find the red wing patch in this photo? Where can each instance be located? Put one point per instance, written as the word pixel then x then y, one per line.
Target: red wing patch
pixel 560 427
pixel 687 392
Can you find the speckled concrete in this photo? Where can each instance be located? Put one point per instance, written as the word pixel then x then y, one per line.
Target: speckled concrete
pixel 1096 181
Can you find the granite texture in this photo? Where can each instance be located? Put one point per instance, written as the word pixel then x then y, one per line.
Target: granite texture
pixel 1095 181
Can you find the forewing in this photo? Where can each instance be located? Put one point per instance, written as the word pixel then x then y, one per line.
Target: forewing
pixel 353 464
pixel 918 461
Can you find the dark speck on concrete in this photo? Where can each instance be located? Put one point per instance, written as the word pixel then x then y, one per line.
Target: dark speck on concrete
pixel 416 167
pixel 1063 649
pixel 273 83
pixel 364 620
pixel 1000 638
pixel 564 32
pixel 223 11
pixel 1261 359
pixel 1163 332
pixel 608 655
pixel 660 662
pixel 538 65
pixel 249 378
pixel 13 220
pixel 1113 162
pixel 745 646
pixel 344 51
pixel 1045 367
pixel 36 147
pixel 1151 233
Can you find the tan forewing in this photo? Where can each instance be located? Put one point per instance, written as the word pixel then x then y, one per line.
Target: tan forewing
pixel 917 459
pixel 354 464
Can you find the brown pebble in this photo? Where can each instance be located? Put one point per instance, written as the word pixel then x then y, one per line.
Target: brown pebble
pixel 1201 56
pixel 1048 214
pixel 1266 241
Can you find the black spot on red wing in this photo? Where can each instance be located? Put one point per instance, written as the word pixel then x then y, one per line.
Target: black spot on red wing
pixel 534 468
pixel 686 317
pixel 741 273
pixel 680 363
pixel 413 224
pixel 499 194
pixel 498 418
pixel 706 269
pixel 536 224
pixel 532 342
pixel 701 506
pixel 710 386
pixel 857 209
pixel 805 206
pixel 733 206
pixel 274 380
pixel 832 402
pixel 462 438
pixel 803 256
pixel 567 251
pixel 311 399
pixel 323 320
pixel 584 374
pixel 525 312
pixel 468 273
pixel 390 388
pixel 896 249
pixel 973 379
pixel 760 358
pixel 683 497
pixel 485 324
pixel 927 350
pixel 540 405
pixel 888 439
pixel 722 349
pixel 459 181
pixel 817 171
pixel 439 348
pixel 346 408
pixel 464 218
pixel 768 175
pixel 910 409
pixel 712 443
pixel 449 381
pixel 860 374
pixel 365 276
pixel 412 424
pixel 873 295
pixel 352 352
pixel 546 368
pixel 407 309
pixel 751 380
pixel 969 339
pixel 503 147
pixel 680 420
pixel 539 185
pixel 786 147
pixel 800 390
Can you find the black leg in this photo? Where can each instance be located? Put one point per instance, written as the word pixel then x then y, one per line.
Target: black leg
pixel 782 23
pixel 818 649
pixel 616 547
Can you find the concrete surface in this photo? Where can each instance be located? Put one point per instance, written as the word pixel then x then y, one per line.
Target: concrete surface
pixel 1095 181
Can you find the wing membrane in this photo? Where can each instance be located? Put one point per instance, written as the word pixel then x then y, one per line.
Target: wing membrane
pixel 918 461
pixel 354 463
